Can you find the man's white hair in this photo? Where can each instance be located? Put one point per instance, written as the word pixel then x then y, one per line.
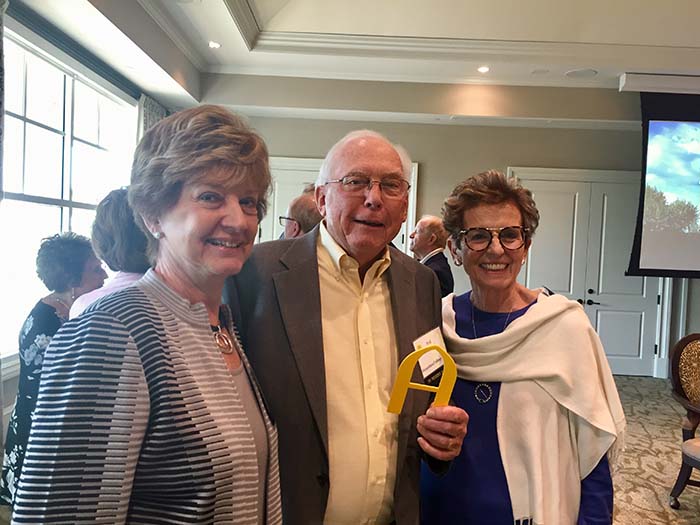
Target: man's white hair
pixel 327 166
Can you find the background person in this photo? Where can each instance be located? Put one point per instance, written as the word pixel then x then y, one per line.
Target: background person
pixel 67 266
pixel 330 315
pixel 302 216
pixel 178 432
pixel 428 242
pixel 545 416
pixel 120 243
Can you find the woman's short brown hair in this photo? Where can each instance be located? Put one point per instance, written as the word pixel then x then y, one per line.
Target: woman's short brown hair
pixel 489 187
pixel 116 238
pixel 187 146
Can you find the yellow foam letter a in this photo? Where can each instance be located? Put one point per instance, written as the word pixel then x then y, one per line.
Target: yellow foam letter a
pixel 403 379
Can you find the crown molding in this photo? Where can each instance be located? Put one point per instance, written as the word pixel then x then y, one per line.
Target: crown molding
pixel 244 17
pixel 434 119
pixel 602 82
pixel 395 47
pixel 415 47
pixel 160 17
pixel 574 54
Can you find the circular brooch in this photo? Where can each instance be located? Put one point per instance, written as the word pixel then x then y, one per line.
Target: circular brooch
pixel 483 393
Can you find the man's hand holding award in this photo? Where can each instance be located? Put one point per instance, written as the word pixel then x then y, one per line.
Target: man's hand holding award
pixel 443 427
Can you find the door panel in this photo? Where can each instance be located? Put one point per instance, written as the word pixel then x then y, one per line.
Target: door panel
pixel 557 256
pixel 289 177
pixel 626 317
pixel 621 332
pixel 287 185
pixel 613 242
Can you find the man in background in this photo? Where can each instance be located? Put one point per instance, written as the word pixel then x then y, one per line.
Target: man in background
pixel 302 216
pixel 428 243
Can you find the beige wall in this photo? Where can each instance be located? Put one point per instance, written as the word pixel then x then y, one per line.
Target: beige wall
pixel 448 154
pixel 587 106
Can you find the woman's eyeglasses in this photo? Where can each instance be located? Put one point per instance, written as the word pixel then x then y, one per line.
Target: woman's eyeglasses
pixel 479 239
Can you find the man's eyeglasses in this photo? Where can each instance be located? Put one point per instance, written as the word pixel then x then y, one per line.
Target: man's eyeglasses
pixel 392 187
pixel 283 220
pixel 479 239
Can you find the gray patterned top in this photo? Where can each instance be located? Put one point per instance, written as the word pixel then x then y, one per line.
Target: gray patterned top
pixel 139 421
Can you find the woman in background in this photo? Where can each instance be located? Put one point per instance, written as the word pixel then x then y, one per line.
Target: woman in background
pixel 178 431
pixel 68 267
pixel 544 413
pixel 120 243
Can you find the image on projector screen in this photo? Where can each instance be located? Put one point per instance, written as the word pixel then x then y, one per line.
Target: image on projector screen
pixel 671 222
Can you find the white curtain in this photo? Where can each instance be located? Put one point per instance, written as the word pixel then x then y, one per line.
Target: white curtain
pixel 150 112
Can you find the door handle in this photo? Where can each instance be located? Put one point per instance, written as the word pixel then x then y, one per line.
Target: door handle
pixel 590 290
pixel 590 302
pixel 579 301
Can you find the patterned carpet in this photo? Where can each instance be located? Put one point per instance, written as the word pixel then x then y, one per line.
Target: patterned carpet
pixel 652 457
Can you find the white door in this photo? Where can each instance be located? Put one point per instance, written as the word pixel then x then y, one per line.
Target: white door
pixel 291 175
pixel 581 250
pixel 623 309
pixel 557 258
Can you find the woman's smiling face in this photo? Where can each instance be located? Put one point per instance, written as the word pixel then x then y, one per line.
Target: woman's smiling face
pixel 494 268
pixel 210 232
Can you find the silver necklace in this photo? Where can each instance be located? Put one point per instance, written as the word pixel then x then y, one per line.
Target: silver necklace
pixel 474 324
pixel 483 391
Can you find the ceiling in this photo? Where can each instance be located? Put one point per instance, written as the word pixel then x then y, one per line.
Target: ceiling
pixel 163 46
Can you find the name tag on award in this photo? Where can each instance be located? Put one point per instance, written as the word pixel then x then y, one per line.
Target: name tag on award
pixel 437 363
pixel 431 362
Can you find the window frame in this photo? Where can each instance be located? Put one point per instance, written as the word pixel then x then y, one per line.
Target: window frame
pixel 73 72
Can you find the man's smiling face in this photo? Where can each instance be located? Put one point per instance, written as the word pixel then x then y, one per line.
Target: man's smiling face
pixel 363 223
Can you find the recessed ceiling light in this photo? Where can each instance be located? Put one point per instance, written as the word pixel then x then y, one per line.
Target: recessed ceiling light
pixel 483 69
pixel 214 45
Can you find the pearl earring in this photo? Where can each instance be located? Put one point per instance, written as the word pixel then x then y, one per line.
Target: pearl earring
pixel 157 235
pixel 458 262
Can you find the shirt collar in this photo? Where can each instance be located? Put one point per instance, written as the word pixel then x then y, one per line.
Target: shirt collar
pixel 192 313
pixel 341 260
pixel 434 252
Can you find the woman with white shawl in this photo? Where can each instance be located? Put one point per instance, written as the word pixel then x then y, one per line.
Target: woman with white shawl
pixel 545 416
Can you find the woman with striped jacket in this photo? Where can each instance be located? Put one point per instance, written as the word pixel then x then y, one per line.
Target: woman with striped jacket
pixel 148 411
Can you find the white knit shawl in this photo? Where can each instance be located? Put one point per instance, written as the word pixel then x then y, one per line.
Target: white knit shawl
pixel 559 411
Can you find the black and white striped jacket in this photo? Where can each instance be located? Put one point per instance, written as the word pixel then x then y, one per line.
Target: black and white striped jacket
pixel 138 421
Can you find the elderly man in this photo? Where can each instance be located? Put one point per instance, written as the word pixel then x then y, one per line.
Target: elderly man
pixel 326 319
pixel 302 216
pixel 428 242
